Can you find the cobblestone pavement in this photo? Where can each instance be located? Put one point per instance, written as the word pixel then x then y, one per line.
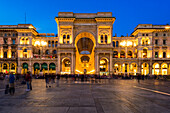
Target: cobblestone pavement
pixel 106 96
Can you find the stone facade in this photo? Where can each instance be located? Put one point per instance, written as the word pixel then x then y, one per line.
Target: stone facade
pixel 85 44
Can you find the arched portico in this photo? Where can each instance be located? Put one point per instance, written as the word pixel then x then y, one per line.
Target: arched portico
pixel 85 61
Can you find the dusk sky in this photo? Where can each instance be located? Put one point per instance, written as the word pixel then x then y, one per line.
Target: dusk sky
pixel 128 13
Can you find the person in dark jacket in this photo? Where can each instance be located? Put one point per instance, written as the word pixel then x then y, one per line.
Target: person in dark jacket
pixel 11 84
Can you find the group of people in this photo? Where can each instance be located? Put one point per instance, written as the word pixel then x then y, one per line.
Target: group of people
pixel 10 81
pixel 50 80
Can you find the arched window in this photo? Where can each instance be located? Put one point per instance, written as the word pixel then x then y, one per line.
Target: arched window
pixel 122 54
pixel 68 36
pixel 164 54
pixel 117 44
pixel 49 43
pixel 56 42
pixel 115 54
pixel 64 36
pixel 54 52
pixel 101 38
pixel 129 54
pixel 25 50
pixel 47 52
pixel 106 39
pixel 144 53
pixel 52 43
pixel 113 43
pixel 5 54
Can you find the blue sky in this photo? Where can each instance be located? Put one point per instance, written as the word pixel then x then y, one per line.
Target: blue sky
pixel 128 13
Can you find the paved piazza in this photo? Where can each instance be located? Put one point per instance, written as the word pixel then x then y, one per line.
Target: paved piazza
pixel 106 96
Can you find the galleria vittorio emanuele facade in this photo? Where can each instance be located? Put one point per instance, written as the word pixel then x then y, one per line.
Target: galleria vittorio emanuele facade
pixel 85 44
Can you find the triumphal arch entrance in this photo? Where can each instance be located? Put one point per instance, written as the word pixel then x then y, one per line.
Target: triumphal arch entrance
pixel 85 43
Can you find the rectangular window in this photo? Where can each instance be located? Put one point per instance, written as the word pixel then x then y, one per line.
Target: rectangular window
pixel 156 42
pixel 164 42
pixel 156 54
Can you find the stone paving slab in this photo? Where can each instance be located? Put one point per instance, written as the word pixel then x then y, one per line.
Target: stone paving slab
pixel 114 96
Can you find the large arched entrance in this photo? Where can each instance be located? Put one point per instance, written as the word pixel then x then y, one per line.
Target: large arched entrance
pixel 155 70
pixel 85 63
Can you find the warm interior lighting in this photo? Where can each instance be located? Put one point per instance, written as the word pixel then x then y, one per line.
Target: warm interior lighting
pixel 167 27
pixel 38 43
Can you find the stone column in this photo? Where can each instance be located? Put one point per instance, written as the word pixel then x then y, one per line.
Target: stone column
pixel 72 65
pixel 160 70
pixel 96 63
pixel 150 68
pixel 59 70
pixel 111 68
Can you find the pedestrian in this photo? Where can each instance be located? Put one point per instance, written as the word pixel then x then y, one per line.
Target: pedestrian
pixel 6 83
pixel 138 77
pixel 58 79
pixel 46 80
pixel 11 84
pixel 28 81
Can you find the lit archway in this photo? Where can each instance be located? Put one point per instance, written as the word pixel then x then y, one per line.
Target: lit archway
pixel 36 68
pixel 85 59
pixel 13 67
pixel 24 68
pixel 125 68
pixel 155 69
pixel 52 68
pixel 103 66
pixel 66 66
pixel 164 68
pixel 117 68
pixel 133 68
pixel 145 69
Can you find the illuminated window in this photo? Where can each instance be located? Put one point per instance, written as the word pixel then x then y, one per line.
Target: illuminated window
pixel 115 54
pixel 103 39
pixel 164 54
pixel 144 53
pixel 66 40
pixel 156 54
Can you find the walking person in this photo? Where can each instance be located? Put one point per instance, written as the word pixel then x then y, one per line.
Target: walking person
pixel 6 83
pixel 138 77
pixel 28 81
pixel 58 79
pixel 11 84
